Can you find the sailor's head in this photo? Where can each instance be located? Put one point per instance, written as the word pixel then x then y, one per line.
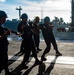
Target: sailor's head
pixel 37 19
pixel 3 16
pixel 24 17
pixel 46 19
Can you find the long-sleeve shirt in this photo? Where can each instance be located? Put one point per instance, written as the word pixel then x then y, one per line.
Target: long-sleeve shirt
pixel 3 41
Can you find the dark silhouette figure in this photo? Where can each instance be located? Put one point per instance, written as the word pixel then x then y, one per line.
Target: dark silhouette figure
pixel 4 44
pixel 28 42
pixel 19 29
pixel 47 33
pixel 36 33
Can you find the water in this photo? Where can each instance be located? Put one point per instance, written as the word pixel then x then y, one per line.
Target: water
pixel 14 37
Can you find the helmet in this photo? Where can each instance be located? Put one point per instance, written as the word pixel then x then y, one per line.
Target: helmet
pixel 37 18
pixel 24 16
pixel 46 18
pixel 3 14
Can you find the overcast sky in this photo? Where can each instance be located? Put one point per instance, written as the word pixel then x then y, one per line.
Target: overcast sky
pixel 41 8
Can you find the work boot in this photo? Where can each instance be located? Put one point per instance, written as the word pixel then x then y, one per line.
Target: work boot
pixel 24 66
pixel 39 49
pixel 38 62
pixel 43 59
pixel 58 54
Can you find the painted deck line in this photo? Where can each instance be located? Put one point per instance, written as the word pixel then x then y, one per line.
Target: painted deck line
pixel 59 60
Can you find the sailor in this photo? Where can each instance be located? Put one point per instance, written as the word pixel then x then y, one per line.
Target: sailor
pixel 28 42
pixel 36 33
pixel 4 44
pixel 48 35
pixel 23 17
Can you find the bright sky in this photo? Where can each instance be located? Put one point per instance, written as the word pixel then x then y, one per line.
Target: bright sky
pixel 51 8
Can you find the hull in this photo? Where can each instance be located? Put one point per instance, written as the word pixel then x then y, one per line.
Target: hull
pixel 12 25
pixel 65 35
pixel 61 35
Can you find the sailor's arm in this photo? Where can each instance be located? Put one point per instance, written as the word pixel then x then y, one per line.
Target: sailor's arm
pixel 5 34
pixel 12 31
pixel 51 25
pixel 40 26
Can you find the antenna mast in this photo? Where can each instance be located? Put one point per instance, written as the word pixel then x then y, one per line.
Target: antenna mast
pixel 19 9
pixel 41 14
pixel 72 10
pixel 72 16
